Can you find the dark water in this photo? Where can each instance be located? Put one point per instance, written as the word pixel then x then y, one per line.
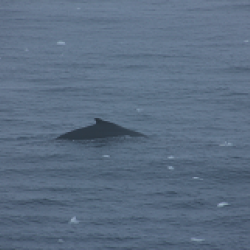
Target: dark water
pixel 177 71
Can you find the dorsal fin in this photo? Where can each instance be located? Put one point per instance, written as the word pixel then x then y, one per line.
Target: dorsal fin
pixel 98 120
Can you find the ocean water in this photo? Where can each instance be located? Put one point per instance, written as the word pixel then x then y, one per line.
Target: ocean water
pixel 177 71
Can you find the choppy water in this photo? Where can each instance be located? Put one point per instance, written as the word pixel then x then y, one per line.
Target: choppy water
pixel 177 71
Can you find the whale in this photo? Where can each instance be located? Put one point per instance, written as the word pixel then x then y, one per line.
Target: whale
pixel 101 129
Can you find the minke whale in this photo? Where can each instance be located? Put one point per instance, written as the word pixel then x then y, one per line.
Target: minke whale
pixel 102 129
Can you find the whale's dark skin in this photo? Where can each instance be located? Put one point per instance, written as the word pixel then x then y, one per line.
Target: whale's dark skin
pixel 102 129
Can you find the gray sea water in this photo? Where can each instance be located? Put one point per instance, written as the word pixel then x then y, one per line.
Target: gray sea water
pixel 177 71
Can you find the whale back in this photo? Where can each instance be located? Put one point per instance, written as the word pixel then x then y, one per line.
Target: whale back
pixel 102 129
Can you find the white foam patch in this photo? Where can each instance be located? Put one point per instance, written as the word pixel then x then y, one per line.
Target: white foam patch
pixel 197 178
pixel 246 41
pixel 60 240
pixel 106 156
pixel 170 167
pixel 226 144
pixel 197 239
pixel 222 204
pixel 74 220
pixel 171 157
pixel 60 43
pixel 139 110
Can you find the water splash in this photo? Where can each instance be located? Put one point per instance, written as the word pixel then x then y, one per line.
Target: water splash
pixel 197 239
pixel 222 204
pixel 73 220
pixel 226 144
